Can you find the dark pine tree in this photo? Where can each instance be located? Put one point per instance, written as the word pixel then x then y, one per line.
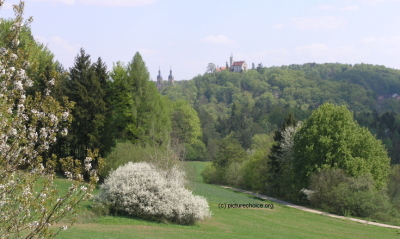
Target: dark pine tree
pixel 107 134
pixel 274 165
pixel 86 90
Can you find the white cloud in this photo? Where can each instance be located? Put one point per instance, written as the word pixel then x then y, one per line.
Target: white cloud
pixel 278 26
pixel 389 46
pixel 220 39
pixel 271 53
pixel 350 8
pixel 317 23
pixel 64 51
pixel 116 3
pixel 326 7
pixel 314 50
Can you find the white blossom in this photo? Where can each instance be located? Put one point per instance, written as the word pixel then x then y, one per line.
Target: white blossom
pixel 14 56
pixel 29 83
pixel 3 51
pixel 88 166
pixel 18 85
pixel 53 118
pixel 15 42
pixel 13 132
pixel 64 132
pixel 140 189
pixel 65 116
pixel 43 132
pixel 52 81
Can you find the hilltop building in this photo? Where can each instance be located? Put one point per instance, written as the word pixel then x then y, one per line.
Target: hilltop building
pixel 171 77
pixel 160 81
pixel 237 66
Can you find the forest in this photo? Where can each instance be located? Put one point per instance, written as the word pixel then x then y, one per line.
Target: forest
pixel 326 135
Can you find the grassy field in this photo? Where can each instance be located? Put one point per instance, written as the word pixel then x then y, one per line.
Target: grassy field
pixel 279 222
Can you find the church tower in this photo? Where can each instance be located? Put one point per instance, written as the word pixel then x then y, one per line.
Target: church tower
pixel 160 80
pixel 171 77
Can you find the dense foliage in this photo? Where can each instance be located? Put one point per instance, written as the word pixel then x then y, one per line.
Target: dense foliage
pixel 331 138
pixel 334 191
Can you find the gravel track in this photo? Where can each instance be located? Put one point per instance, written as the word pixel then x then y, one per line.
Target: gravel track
pixel 309 209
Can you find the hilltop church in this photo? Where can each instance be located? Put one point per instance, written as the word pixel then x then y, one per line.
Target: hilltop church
pixel 235 66
pixel 160 80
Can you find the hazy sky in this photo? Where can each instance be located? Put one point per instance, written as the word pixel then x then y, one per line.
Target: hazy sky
pixel 188 34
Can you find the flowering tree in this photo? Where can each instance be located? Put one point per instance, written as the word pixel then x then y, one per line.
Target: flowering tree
pixel 31 205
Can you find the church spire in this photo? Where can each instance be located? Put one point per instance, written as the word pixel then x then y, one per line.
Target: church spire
pixel 171 77
pixel 159 77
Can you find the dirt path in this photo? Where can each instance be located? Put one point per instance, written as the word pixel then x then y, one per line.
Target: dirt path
pixel 311 210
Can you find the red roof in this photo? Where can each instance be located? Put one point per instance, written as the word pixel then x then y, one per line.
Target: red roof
pixel 220 69
pixel 238 63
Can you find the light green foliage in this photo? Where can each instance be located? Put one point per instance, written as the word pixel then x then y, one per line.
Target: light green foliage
pixel 186 129
pixel 185 123
pixel 394 186
pixel 331 138
pixel 163 156
pixel 140 113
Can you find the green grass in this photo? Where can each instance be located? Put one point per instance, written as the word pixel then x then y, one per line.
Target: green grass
pixel 280 222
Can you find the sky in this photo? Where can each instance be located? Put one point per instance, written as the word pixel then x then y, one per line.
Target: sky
pixel 186 35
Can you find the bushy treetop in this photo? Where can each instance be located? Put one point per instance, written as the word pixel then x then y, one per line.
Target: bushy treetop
pixel 331 138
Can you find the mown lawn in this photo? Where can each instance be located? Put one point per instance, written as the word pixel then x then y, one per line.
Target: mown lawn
pixel 279 222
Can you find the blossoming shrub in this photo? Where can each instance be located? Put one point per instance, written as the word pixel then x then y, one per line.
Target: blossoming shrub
pixel 142 190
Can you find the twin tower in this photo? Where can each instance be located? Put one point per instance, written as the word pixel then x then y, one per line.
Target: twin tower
pixel 160 81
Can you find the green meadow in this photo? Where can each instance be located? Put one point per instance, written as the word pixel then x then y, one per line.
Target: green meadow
pixel 279 222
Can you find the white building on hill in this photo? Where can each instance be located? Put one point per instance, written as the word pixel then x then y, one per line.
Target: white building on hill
pixel 237 66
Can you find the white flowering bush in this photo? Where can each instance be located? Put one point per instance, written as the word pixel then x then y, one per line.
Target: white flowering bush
pixel 142 190
pixel 30 203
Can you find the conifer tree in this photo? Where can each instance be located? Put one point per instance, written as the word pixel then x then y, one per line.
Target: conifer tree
pixel 107 132
pixel 86 91
pixel 140 112
pixel 274 164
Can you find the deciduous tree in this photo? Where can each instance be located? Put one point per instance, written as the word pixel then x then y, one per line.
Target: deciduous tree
pixel 331 138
